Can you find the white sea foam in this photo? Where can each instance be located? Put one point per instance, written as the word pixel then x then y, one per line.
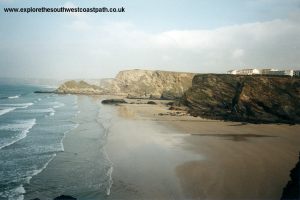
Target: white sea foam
pixel 110 180
pixel 37 171
pixel 23 126
pixel 14 194
pixel 18 192
pixel 105 120
pixel 18 105
pixel 14 97
pixel 52 114
pixel 42 110
pixel 65 133
pixel 6 110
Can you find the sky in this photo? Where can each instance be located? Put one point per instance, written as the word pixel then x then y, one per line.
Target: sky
pixel 202 36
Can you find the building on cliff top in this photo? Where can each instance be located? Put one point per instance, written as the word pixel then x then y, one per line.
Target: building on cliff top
pixel 276 72
pixel 288 72
pixel 244 71
pixel 296 72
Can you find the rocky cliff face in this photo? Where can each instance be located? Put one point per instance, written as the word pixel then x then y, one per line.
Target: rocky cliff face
pixel 245 98
pixel 135 84
pixel 154 84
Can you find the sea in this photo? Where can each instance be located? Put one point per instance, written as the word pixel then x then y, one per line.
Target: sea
pixel 32 128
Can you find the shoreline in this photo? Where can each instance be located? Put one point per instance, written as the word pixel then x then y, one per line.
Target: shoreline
pixel 79 168
pixel 145 151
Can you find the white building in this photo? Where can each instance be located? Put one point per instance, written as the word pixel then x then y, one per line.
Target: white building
pixel 244 71
pixel 288 72
pixel 267 71
pixel 296 72
pixel 270 71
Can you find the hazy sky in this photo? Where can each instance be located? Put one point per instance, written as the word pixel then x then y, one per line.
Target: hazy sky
pixel 180 35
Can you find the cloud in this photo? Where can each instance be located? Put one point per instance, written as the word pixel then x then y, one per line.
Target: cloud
pixel 87 48
pixel 238 53
pixel 262 44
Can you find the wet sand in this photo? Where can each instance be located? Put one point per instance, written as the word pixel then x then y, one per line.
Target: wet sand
pixel 240 161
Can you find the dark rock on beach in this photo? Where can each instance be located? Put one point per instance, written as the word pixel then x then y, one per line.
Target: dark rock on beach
pixel 64 197
pixel 113 101
pixel 292 189
pixel 151 102
pixel 43 92
pixel 256 99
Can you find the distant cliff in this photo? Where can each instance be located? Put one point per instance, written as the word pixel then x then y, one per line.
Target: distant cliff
pixel 156 84
pixel 80 87
pixel 135 84
pixel 245 98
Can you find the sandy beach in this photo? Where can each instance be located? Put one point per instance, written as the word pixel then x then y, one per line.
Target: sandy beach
pixel 240 161
pixel 133 151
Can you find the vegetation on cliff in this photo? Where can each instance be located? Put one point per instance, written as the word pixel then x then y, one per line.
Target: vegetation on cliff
pixel 245 98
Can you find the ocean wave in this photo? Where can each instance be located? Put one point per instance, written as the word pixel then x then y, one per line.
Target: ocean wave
pixel 14 194
pixel 17 192
pixel 52 114
pixel 37 171
pixel 23 126
pixel 13 97
pixel 17 105
pixel 65 133
pixel 6 110
pixel 41 110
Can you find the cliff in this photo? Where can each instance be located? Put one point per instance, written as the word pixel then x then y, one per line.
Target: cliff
pixel 135 84
pixel 154 84
pixel 245 98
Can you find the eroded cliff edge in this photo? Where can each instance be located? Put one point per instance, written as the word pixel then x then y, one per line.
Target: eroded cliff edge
pixel 258 99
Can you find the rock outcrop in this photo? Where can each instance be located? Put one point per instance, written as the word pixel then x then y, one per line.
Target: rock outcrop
pixel 81 87
pixel 113 101
pixel 135 84
pixel 61 197
pixel 261 99
pixel 292 189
